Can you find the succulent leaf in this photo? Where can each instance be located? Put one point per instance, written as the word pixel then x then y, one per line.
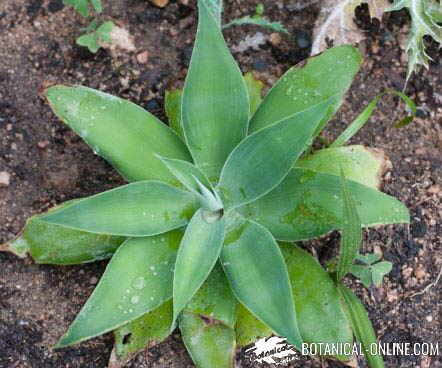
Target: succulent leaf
pixel 262 160
pixel 351 235
pixel 137 280
pixel 210 343
pixel 199 250
pixel 248 328
pixel 254 87
pixel 361 325
pixel 214 299
pixel 146 331
pixel 121 132
pixel 144 208
pixel 258 276
pixel 215 103
pixel 194 181
pixel 360 164
pixel 321 78
pixel 172 105
pixel 365 115
pixel 317 301
pixel 308 204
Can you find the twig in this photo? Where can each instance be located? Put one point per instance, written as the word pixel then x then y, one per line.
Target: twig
pixel 429 286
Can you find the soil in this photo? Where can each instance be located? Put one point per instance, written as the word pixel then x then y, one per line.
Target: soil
pixel 48 164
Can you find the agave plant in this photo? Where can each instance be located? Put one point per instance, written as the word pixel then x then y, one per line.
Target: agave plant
pixel 202 236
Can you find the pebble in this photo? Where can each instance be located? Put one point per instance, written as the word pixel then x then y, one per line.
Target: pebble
pixel 143 57
pixel 420 273
pixel 275 39
pixel 43 144
pixel 93 280
pixel 160 3
pixel 5 178
pixel 429 318
pixel 434 189
pixel 303 39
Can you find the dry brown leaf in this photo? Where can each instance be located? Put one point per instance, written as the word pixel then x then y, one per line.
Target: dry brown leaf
pixel 336 22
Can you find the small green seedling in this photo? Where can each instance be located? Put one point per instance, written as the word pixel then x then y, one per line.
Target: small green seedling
pixel 95 35
pixel 202 236
pixel 370 270
pixel 258 19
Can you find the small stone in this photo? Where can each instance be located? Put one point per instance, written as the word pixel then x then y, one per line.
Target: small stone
pixel 5 178
pixel 93 280
pixel 429 318
pixel 378 250
pixel 55 6
pixel 9 127
pixel 143 57
pixel 43 144
pixel 275 39
pixel 420 273
pixel 303 39
pixel 160 3
pixel 434 189
pixel 260 65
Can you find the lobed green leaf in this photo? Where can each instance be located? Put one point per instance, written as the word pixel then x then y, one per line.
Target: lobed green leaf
pixel 144 208
pixel 137 280
pixel 215 105
pixel 259 279
pixel 121 132
pixel 308 204
pixel 324 77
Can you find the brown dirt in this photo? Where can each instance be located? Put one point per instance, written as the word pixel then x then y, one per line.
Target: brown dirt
pixel 49 164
